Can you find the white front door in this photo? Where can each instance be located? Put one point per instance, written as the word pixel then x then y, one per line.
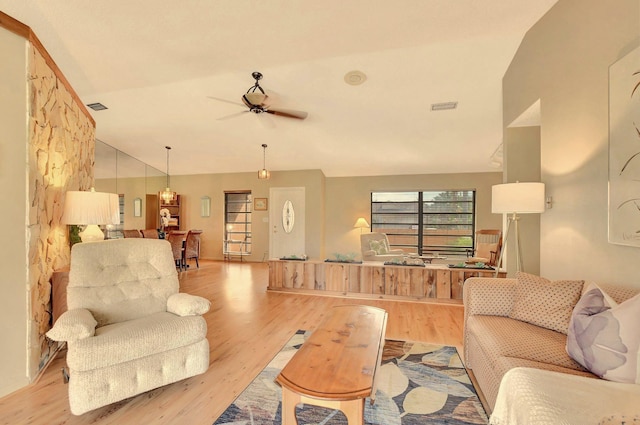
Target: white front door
pixel 286 221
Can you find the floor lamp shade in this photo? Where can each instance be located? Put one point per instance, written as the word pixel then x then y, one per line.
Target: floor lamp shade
pixel 513 199
pixel 521 198
pixel 91 209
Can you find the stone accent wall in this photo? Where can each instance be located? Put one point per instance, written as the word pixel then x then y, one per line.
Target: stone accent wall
pixel 61 158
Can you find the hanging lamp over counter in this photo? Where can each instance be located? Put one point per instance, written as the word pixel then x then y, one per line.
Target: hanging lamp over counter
pixel 264 174
pixel 167 194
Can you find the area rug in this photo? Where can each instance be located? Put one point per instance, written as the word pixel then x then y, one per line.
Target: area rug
pixel 418 383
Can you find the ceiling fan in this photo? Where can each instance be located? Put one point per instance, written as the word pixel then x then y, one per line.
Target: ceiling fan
pixel 258 102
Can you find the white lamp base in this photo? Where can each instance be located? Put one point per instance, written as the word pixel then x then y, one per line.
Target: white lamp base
pixel 92 233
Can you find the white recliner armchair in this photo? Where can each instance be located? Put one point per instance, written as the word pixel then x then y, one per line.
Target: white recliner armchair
pixel 127 328
pixel 375 247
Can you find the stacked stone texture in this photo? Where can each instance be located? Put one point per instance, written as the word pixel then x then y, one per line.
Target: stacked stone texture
pixel 61 158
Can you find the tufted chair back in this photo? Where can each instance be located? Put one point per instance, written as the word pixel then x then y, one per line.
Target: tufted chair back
pixel 121 279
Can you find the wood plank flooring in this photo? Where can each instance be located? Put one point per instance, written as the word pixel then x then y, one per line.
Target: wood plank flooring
pixel 247 326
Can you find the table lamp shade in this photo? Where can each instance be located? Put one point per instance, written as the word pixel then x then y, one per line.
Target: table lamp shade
pixel 84 208
pixel 521 198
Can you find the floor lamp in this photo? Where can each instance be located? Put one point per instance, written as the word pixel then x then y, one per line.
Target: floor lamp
pixel 513 199
pixel 361 223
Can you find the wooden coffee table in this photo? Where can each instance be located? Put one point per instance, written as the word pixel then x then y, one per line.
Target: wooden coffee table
pixel 337 365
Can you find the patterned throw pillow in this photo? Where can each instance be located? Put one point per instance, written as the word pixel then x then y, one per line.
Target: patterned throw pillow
pixel 603 335
pixel 544 303
pixel 380 247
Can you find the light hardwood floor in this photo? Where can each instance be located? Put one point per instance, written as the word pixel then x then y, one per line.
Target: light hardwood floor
pixel 247 326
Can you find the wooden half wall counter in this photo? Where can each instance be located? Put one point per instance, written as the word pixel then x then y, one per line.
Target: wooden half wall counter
pixel 373 280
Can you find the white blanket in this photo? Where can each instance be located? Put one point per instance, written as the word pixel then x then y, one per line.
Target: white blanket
pixel 539 397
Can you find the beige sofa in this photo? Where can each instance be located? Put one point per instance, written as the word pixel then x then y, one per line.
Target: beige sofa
pixel 128 330
pixel 495 344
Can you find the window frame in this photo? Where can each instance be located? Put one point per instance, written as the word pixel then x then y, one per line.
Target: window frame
pixel 247 232
pixel 418 224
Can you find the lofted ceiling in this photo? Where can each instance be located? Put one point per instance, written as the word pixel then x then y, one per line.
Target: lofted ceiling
pixel 156 64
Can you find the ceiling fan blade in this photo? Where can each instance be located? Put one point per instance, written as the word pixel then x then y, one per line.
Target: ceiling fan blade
pixel 288 113
pixel 226 101
pixel 266 121
pixel 226 117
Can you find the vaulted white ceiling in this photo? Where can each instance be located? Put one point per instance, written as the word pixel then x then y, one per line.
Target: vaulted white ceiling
pixel 156 63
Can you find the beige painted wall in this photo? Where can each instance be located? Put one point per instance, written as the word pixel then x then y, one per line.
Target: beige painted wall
pixel 47 149
pixel 522 163
pixel 13 180
pixel 564 61
pixel 332 205
pixel 193 187
pixel 348 198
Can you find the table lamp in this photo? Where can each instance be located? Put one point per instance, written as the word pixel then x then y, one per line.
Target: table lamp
pixel 91 209
pixel 513 199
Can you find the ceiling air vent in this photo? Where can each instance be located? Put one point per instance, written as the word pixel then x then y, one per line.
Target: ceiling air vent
pixel 97 106
pixel 444 106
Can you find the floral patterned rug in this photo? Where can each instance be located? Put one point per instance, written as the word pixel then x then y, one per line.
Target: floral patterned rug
pixel 418 383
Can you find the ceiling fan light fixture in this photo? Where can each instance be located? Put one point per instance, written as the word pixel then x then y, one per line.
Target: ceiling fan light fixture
pixel 257 99
pixel 264 174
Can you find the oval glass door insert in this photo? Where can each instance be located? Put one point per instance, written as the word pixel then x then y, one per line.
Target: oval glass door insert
pixel 288 216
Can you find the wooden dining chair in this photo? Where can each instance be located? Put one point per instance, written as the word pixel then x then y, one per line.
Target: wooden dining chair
pixel 176 238
pixel 150 233
pixel 192 246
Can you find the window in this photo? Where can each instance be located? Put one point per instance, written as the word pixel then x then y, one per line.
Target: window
pixel 237 223
pixel 114 231
pixel 438 222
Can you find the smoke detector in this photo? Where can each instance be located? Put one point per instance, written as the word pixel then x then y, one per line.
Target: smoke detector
pixel 355 78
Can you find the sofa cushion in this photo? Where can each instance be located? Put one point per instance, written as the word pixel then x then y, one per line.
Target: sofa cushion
pixel 603 335
pixel 379 246
pixel 134 339
pixel 496 344
pixel 542 302
pixel 504 337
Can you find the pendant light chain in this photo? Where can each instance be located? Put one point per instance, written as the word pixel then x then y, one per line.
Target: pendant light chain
pixel 168 148
pixel 264 156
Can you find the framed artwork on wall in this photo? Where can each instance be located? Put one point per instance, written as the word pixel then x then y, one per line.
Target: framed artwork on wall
pixel 624 150
pixel 260 204
pixel 137 207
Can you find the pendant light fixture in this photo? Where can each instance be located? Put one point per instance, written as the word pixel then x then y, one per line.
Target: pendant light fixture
pixel 264 174
pixel 167 195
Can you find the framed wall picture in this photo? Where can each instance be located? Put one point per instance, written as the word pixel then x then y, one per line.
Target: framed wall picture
pixel 205 206
pixel 137 207
pixel 260 204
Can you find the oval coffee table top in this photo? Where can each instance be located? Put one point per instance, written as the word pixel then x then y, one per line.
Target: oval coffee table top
pixel 339 360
